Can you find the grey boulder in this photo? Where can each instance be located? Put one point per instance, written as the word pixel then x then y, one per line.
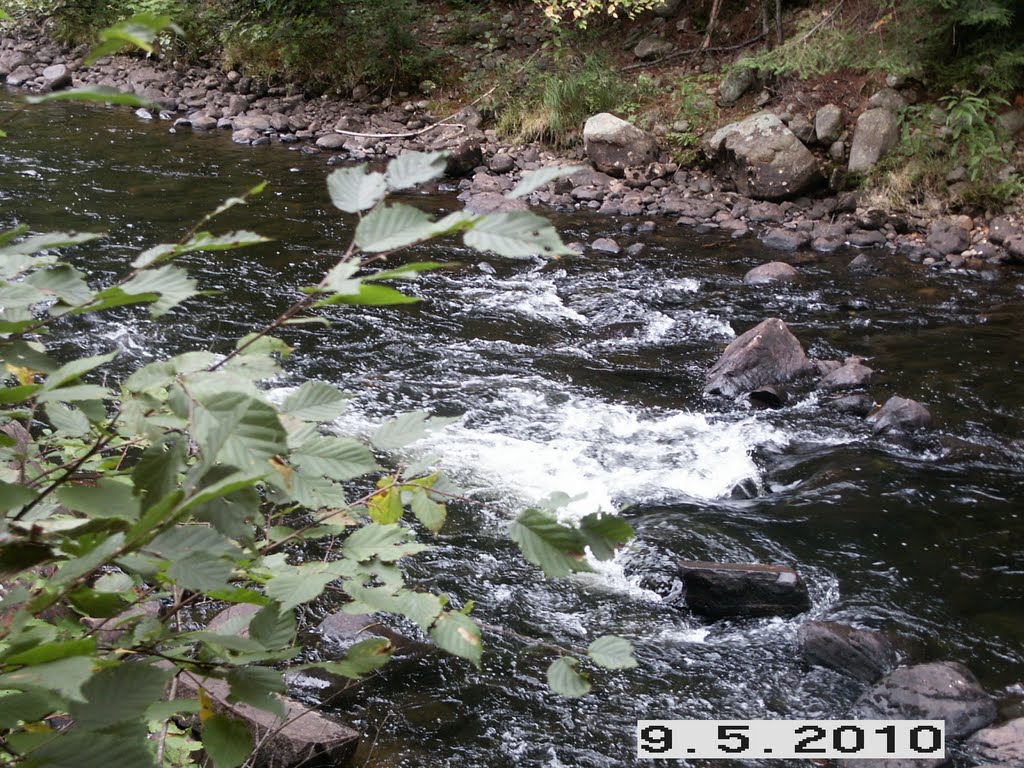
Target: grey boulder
pixel 938 691
pixel 862 654
pixel 876 133
pixel 763 158
pixel 612 144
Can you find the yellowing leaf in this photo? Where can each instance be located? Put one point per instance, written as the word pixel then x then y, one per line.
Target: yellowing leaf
pixel 205 705
pixel 23 374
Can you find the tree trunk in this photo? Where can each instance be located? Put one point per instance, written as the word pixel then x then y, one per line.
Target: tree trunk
pixel 716 6
pixel 778 22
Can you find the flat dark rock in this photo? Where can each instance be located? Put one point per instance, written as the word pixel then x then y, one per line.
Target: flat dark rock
pixel 720 590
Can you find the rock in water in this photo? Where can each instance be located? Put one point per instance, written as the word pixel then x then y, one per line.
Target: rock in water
pixel 849 376
pixel 720 590
pixel 763 157
pixel 767 354
pixel 858 653
pixel 772 272
pixel 940 691
pixel 1000 747
pixel 900 414
pixel 612 144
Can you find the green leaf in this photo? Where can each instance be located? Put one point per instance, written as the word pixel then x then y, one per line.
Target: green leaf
pixel 315 401
pixel 201 572
pixel 115 297
pixel 353 189
pixel 412 168
pixel 369 296
pixel 423 608
pixel 341 278
pixel 75 394
pixel 38 243
pixel 458 634
pixel 172 283
pixel 13 496
pixel 67 420
pixel 339 458
pixel 534 180
pixel 362 658
pixel 516 235
pixel 114 583
pixel 26 707
pixel 605 533
pixel 257 686
pixel 75 369
pixel 455 222
pixel 556 548
pixel 391 227
pixel 564 680
pixel 108 498
pixel 156 474
pixel 272 627
pixel 405 429
pixel 101 93
pixel 63 281
pixel 428 511
pixel 47 652
pixel 406 271
pixel 162 710
pixel 87 563
pixel 233 514
pixel 612 652
pixel 100 605
pixel 18 394
pixel 227 741
pixel 294 588
pixel 237 429
pixel 388 543
pixel 87 749
pixel 119 694
pixel 183 540
pixel 140 31
pixel 64 676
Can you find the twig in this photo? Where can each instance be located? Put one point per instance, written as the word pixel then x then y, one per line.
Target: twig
pixel 690 51
pixel 807 35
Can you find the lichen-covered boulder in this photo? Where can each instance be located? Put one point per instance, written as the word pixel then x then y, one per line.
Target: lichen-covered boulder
pixel 612 144
pixel 763 157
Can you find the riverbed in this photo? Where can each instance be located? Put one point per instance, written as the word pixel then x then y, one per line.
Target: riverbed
pixel 585 376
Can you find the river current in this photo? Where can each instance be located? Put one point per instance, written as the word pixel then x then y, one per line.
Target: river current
pixel 584 376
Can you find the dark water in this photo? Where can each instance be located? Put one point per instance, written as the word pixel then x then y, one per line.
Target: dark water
pixel 585 376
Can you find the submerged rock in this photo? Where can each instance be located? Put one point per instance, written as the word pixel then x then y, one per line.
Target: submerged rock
pixel 772 272
pixel 849 376
pixel 940 691
pixel 719 590
pixel 900 414
pixel 766 355
pixel 862 654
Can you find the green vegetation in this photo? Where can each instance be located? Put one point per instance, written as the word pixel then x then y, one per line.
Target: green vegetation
pixel 953 149
pixel 187 485
pixel 696 113
pixel 133 504
pixel 948 44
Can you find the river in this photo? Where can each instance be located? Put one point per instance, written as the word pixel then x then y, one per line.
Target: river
pixel 584 376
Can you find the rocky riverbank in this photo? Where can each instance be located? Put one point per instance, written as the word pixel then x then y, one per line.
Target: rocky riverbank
pixel 762 179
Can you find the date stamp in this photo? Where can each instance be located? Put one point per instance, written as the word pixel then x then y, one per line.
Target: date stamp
pixel 791 739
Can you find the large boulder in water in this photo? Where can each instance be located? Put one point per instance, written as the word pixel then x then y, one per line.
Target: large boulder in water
pixel 939 691
pixel 1001 746
pixel 612 144
pixel 764 158
pixel 766 355
pixel 720 590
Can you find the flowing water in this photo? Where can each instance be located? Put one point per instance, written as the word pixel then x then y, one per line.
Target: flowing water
pixel 584 376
